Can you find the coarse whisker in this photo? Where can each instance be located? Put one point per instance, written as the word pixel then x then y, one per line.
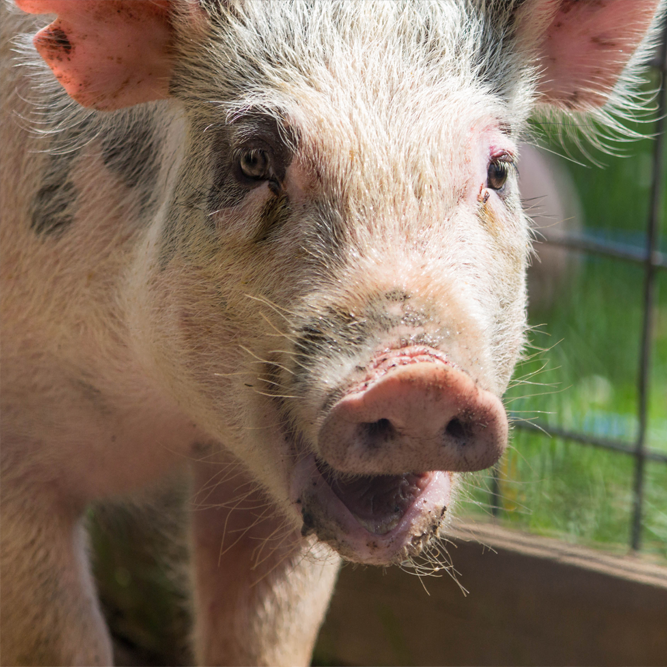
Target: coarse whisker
pixel 279 333
pixel 200 504
pixel 295 564
pixel 542 393
pixel 266 380
pixel 523 378
pixel 268 509
pixel 260 547
pixel 541 350
pixel 265 361
pixel 534 384
pixel 280 310
pixel 276 565
pixel 292 353
pixel 267 427
pixel 229 375
pixel 239 494
pixel 282 532
pixel 296 357
pixel 231 468
pixel 208 488
pixel 223 551
pixel 539 427
pixel 421 581
pixel 264 393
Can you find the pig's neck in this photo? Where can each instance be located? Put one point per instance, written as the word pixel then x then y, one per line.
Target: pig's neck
pixel 240 537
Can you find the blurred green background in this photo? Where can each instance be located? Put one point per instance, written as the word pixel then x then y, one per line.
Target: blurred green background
pixel 581 374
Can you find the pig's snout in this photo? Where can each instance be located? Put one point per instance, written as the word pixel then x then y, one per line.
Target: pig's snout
pixel 417 417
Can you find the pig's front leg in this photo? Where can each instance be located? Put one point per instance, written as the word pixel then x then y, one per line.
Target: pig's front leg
pixel 49 614
pixel 261 589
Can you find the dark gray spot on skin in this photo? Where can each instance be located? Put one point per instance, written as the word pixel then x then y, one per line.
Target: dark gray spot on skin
pixel 93 395
pixel 273 217
pixel 252 131
pixel 386 322
pixel 308 527
pixel 339 335
pixel 397 295
pixel 605 43
pixel 337 331
pixel 131 153
pixel 128 150
pixel 215 151
pixel 493 64
pixel 51 208
pixel 335 335
pixel 225 191
pixel 60 40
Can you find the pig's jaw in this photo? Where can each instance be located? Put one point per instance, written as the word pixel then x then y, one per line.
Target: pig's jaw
pixel 373 519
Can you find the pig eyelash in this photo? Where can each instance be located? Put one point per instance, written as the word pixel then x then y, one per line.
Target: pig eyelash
pixel 498 172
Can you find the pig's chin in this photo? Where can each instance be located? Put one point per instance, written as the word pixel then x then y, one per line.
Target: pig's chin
pixel 375 519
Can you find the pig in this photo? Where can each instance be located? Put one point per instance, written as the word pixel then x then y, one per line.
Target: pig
pixel 550 197
pixel 279 248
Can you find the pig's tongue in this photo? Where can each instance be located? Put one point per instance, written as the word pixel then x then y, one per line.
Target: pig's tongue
pixel 378 502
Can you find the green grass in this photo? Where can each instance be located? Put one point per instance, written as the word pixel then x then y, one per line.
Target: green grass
pixel 591 342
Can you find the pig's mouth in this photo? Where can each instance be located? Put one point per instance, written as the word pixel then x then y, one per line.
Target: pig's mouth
pixel 377 502
pixel 373 490
pixel 376 519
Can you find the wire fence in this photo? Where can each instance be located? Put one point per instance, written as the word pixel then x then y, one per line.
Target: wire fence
pixel 652 261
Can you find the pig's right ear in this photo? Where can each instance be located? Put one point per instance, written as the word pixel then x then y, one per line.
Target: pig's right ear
pixel 583 46
pixel 107 54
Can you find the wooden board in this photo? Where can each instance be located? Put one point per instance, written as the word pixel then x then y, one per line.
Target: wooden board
pixel 531 601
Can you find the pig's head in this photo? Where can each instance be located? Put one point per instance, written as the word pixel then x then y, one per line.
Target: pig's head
pixel 333 281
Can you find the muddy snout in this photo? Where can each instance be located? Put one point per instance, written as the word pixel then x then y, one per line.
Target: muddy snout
pixel 417 417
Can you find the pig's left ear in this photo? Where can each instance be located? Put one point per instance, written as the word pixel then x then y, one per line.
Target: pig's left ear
pixel 584 45
pixel 107 54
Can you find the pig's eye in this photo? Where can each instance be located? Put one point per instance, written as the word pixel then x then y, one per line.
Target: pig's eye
pixel 497 174
pixel 255 164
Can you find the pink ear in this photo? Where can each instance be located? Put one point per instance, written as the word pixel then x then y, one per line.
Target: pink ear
pixel 107 54
pixel 585 45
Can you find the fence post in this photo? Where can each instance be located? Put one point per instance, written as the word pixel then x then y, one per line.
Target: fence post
pixel 650 285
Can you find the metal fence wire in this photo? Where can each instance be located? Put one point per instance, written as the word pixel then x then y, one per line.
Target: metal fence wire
pixel 652 261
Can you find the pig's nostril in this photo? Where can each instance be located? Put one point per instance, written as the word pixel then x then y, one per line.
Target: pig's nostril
pixel 377 433
pixel 458 431
pixel 421 415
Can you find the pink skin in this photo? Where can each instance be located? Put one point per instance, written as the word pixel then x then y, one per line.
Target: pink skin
pixel 585 52
pixel 349 536
pixel 420 393
pixel 101 50
pixel 418 398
